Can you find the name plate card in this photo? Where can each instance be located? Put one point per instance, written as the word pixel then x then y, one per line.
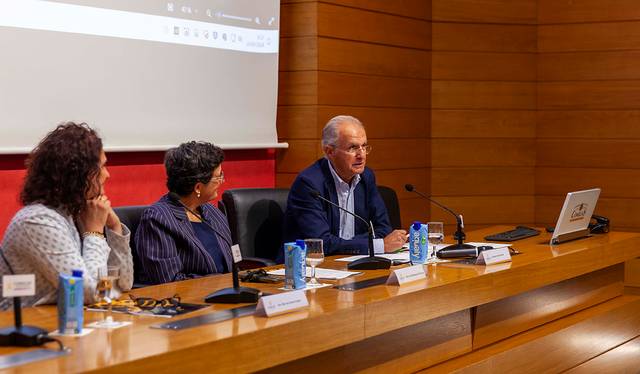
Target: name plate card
pixel 494 256
pixel 406 275
pixel 282 303
pixel 235 251
pixel 18 285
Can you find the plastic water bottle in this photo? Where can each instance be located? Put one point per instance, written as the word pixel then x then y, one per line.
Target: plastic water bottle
pixel 418 245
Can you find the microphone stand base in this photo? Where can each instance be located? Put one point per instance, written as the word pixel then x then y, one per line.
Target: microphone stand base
pixel 23 336
pixel 370 263
pixel 458 250
pixel 234 296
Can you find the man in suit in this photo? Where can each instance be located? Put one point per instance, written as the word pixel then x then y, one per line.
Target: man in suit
pixel 342 177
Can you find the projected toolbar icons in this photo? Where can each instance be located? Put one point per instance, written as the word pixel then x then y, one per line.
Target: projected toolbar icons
pixel 170 7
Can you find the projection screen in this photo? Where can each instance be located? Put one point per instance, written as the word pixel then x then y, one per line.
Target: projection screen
pixel 147 74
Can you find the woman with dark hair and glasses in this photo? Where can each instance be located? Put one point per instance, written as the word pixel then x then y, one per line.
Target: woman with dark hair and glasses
pixel 182 235
pixel 67 222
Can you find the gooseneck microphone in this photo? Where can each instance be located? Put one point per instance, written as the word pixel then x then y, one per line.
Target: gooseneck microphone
pixel 233 295
pixel 455 250
pixel 371 262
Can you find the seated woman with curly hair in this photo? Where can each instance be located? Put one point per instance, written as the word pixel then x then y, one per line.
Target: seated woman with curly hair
pixel 62 224
pixel 173 243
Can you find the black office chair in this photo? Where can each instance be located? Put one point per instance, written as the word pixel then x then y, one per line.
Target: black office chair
pixel 130 216
pixel 256 217
pixel 393 207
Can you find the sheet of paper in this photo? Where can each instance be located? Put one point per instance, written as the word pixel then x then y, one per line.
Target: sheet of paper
pixel 494 245
pixel 475 244
pixel 83 333
pixel 438 246
pixel 402 256
pixel 309 286
pixel 116 325
pixel 321 273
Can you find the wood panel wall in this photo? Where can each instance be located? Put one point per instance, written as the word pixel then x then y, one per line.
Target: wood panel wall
pixel 367 58
pixel 483 112
pixel 494 107
pixel 588 122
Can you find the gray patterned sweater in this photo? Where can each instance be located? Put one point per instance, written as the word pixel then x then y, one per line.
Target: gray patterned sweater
pixel 43 241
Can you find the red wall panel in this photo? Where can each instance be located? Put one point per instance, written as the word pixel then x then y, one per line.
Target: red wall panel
pixel 139 178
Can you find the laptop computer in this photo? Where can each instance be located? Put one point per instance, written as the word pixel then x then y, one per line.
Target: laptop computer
pixel 575 215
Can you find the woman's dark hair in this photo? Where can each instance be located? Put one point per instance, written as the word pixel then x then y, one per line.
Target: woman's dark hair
pixel 63 168
pixel 189 164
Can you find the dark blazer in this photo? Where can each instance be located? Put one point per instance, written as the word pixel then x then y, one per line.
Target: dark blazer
pixel 308 217
pixel 167 246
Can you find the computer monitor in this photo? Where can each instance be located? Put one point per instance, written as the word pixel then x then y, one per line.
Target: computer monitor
pixel 575 215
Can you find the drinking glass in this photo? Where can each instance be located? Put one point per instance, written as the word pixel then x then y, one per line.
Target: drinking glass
pixel 315 256
pixel 106 278
pixel 435 235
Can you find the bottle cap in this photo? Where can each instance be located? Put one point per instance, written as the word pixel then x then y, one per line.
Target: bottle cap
pixel 416 225
pixel 76 273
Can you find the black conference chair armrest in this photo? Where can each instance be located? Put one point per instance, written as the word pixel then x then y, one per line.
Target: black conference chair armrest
pixel 254 262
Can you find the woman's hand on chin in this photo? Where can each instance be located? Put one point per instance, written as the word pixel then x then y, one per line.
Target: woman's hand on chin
pixel 96 214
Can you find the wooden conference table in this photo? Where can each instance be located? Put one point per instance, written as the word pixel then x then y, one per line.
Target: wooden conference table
pixel 475 317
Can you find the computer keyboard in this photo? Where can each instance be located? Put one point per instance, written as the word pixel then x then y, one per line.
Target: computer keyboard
pixel 520 232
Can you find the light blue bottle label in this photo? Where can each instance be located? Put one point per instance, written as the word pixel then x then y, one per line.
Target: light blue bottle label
pixel 295 266
pixel 70 304
pixel 418 244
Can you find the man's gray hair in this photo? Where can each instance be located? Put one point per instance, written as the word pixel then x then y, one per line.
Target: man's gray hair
pixel 330 130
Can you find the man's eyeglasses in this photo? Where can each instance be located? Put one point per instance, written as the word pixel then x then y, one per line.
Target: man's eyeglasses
pixel 355 149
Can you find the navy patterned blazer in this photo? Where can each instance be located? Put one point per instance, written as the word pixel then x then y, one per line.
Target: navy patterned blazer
pixel 167 247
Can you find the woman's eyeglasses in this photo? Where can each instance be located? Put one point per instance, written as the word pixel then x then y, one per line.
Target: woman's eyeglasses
pixel 150 303
pixel 219 179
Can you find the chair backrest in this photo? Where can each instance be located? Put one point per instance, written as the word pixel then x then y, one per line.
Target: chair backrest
pixel 256 219
pixel 130 216
pixel 393 207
